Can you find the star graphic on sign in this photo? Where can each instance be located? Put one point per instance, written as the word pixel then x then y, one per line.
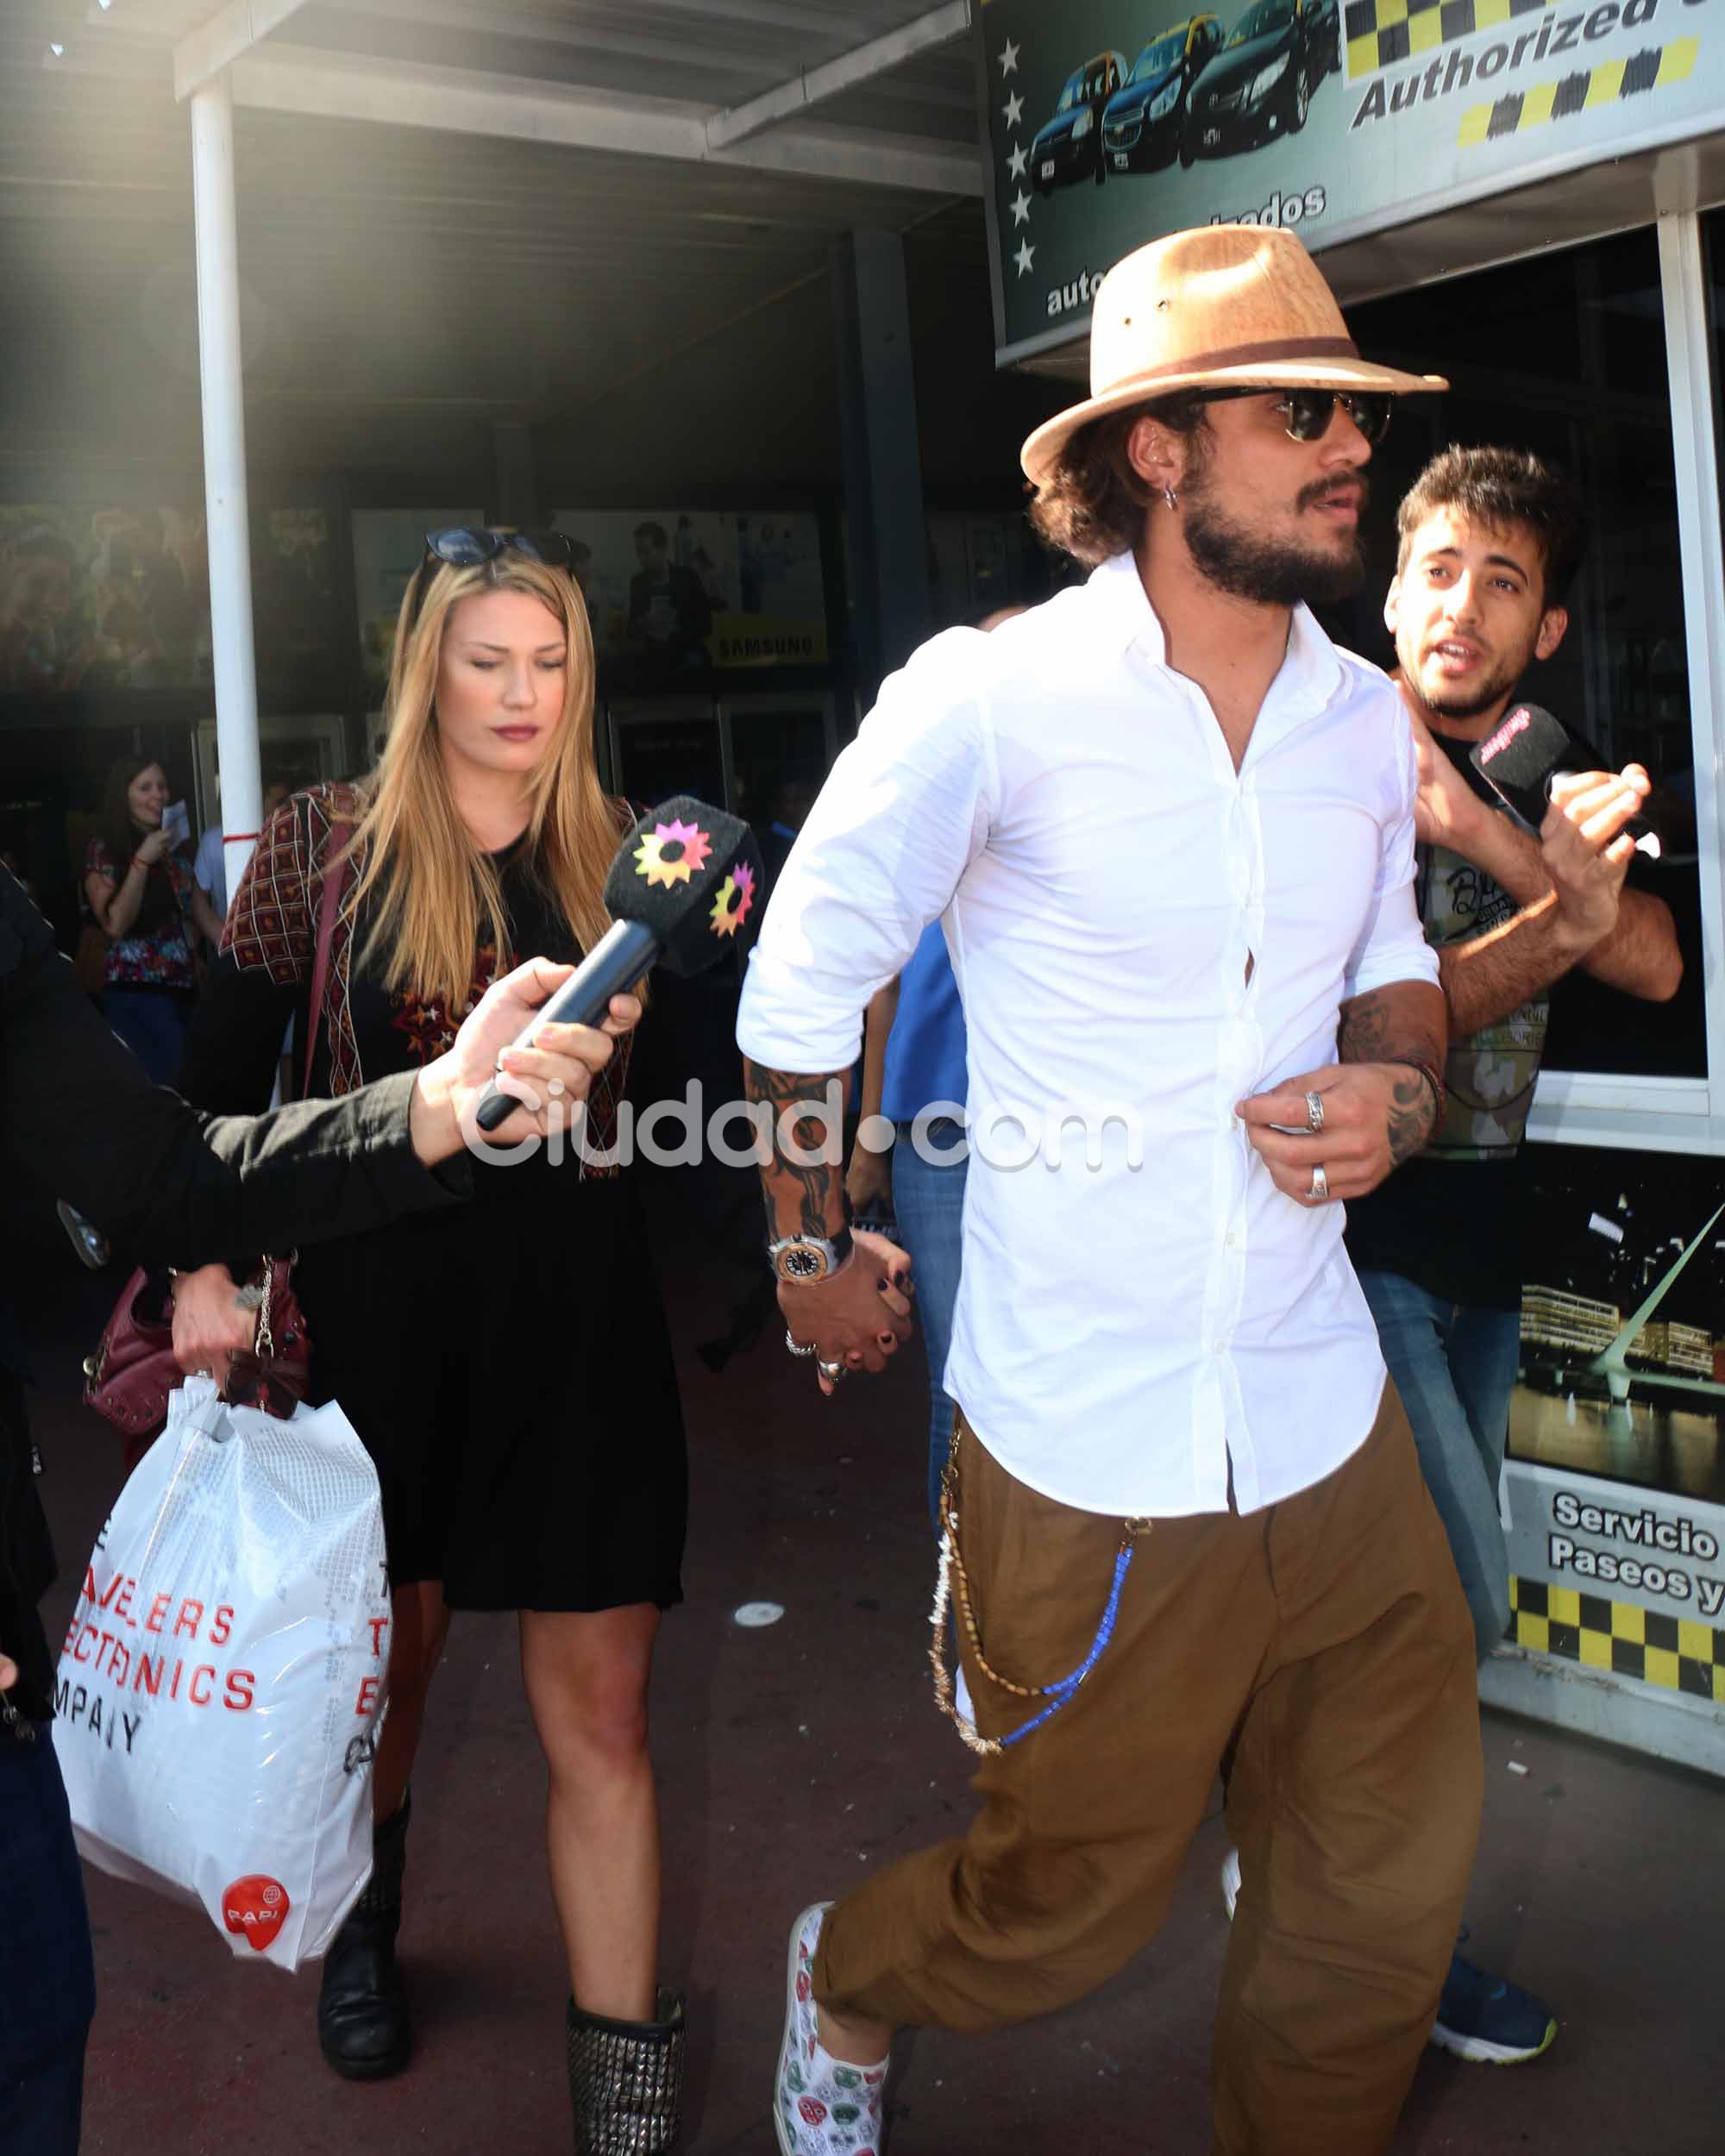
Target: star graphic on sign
pixel 1013 109
pixel 1024 257
pixel 1015 163
pixel 1020 207
pixel 1009 59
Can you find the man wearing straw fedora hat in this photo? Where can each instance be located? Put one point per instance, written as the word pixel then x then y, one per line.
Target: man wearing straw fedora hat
pixel 1168 830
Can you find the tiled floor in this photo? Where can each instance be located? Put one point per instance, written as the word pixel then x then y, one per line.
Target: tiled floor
pixel 792 1759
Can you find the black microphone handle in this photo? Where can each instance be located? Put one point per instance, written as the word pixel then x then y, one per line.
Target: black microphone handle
pixel 617 962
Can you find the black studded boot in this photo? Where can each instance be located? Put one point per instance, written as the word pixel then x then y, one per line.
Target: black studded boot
pixel 627 2081
pixel 363 2026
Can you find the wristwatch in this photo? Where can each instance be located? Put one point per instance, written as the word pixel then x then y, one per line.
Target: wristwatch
pixel 808 1258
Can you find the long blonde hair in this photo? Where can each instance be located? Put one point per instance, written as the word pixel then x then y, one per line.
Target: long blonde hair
pixel 434 890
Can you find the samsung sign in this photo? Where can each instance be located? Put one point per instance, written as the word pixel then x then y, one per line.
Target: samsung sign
pixel 1111 122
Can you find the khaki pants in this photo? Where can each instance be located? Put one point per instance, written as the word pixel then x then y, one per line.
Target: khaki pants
pixel 1326 1641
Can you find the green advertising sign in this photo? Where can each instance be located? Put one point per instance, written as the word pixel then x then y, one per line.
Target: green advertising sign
pixel 1113 122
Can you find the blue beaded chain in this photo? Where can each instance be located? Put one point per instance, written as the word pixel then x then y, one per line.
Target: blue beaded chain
pixel 1058 1694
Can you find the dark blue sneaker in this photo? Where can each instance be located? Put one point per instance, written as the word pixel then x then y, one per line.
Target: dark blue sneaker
pixel 1490 2020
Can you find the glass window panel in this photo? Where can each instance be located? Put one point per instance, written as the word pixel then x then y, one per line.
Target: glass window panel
pixel 1565 355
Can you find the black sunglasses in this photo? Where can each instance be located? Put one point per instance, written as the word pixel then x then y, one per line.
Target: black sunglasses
pixel 461 548
pixel 1309 411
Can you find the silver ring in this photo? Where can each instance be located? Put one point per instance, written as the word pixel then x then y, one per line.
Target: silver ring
pixel 830 1371
pixel 1315 1113
pixel 1320 1185
pixel 796 1346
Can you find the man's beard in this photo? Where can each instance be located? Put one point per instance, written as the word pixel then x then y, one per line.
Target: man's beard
pixel 1267 572
pixel 1469 702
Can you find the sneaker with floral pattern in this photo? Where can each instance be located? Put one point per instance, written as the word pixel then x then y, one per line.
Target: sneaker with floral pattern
pixel 821 2107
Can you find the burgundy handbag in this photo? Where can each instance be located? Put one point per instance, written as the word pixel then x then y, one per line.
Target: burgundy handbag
pixel 129 1378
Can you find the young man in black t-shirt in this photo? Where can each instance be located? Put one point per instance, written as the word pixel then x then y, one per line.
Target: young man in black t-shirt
pixel 1491 540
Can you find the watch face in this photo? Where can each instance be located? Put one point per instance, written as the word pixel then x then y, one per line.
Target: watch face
pixel 802 1262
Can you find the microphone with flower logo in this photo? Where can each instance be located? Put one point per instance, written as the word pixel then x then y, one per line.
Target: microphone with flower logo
pixel 683 891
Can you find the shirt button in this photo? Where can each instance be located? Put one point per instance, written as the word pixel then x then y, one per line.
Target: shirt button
pixel 1220 1347
pixel 1232 1238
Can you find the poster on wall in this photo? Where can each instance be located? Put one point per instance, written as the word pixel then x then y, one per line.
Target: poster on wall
pixel 119 598
pixel 389 545
pixel 1617 1547
pixel 682 590
pixel 1112 122
pixel 104 599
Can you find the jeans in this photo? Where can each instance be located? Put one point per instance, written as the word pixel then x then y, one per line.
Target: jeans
pixel 928 1200
pixel 154 1025
pixel 1454 1365
pixel 47 1979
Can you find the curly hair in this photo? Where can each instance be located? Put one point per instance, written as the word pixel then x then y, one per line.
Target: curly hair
pixel 1092 504
pixel 1500 487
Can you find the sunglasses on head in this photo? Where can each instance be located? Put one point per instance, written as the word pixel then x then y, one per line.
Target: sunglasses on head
pixel 462 549
pixel 1308 412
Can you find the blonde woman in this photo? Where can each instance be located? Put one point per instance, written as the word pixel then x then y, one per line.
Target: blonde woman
pixel 511 1376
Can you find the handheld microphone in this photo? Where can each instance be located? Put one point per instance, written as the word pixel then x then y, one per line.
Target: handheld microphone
pixel 684 890
pixel 1526 752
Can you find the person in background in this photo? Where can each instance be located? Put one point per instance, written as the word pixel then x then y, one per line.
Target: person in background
pixel 914 1073
pixel 209 867
pixel 528 1438
pixel 142 893
pixel 1490 542
pixel 669 613
pixel 792 797
pixel 171 1185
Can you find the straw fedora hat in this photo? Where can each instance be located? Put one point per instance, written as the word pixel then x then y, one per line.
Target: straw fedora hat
pixel 1226 306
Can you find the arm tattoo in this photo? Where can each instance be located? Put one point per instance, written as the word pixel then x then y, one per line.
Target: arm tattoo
pixel 1400 1024
pixel 1412 1113
pixel 802 1159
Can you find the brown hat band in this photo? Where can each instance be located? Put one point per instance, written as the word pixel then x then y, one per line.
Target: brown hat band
pixel 1271 351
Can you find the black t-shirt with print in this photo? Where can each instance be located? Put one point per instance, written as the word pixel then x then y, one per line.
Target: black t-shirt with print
pixel 1450 1220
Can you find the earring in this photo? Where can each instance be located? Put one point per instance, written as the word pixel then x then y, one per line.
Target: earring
pixel 1170 498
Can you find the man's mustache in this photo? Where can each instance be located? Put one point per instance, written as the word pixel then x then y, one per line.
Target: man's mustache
pixel 1320 490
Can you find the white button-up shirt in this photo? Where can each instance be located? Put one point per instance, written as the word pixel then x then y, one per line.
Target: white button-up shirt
pixel 1142 937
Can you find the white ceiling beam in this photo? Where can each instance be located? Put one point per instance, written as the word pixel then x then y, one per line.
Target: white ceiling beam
pixel 833 77
pixel 230 33
pixel 296 79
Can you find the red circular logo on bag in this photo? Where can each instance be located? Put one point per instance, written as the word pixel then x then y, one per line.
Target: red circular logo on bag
pixel 254 1908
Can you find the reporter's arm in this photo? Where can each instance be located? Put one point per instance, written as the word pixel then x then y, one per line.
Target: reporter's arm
pixel 162 1180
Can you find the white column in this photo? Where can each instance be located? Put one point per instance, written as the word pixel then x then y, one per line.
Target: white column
pixel 224 468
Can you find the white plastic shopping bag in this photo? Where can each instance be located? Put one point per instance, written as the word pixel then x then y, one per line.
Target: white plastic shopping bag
pixel 220 1688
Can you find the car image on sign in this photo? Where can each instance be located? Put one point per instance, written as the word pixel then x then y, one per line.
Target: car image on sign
pixel 1142 121
pixel 1258 87
pixel 1068 145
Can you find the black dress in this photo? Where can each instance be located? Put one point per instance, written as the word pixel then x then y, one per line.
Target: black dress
pixel 505 1363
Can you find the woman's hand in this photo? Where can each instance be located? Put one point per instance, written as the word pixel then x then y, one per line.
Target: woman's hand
pixel 549 1078
pixel 9 1673
pixel 209 1322
pixel 154 846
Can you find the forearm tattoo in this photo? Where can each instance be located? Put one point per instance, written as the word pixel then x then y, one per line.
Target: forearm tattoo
pixel 1403 1026
pixel 1413 1111
pixel 802 1156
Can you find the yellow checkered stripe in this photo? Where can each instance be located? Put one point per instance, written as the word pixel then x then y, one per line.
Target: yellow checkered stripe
pixel 1582 92
pixel 1384 33
pixel 1679 1654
